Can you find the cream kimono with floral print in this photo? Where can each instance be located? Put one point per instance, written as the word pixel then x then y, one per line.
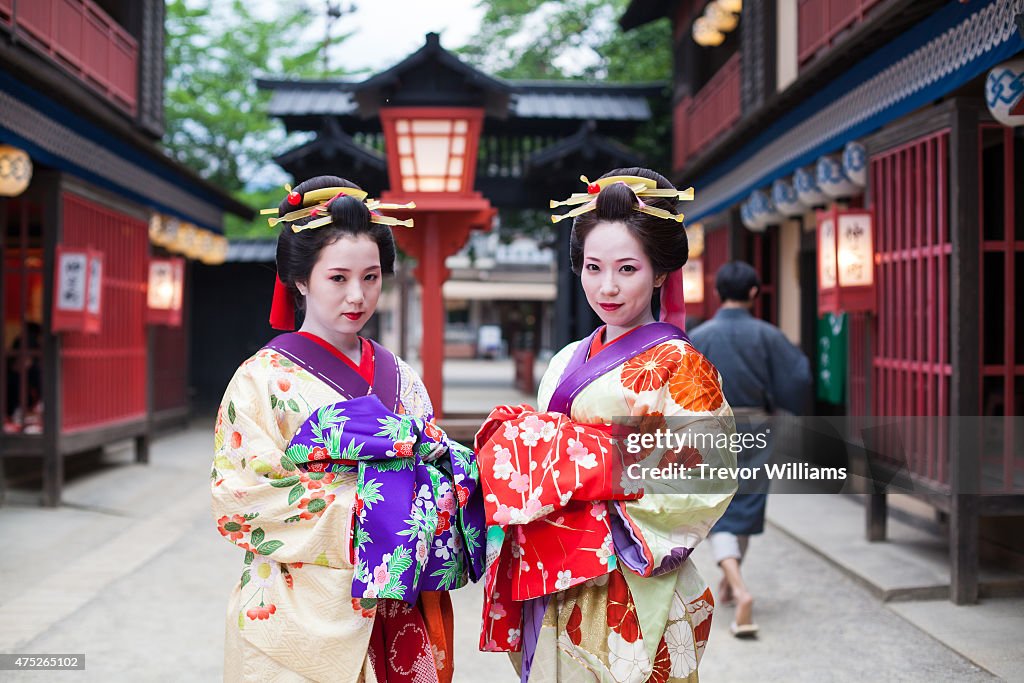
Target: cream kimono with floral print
pixel 291 616
pixel 649 623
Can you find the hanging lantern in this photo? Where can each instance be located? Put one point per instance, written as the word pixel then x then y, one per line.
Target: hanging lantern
pixel 722 19
pixel 807 191
pixel 855 163
pixel 747 218
pixel 78 291
pixel 693 281
pixel 15 171
pixel 846 261
pixel 217 251
pixel 695 240
pixel 705 34
pixel 785 198
pixel 432 149
pixel 1004 92
pixel 832 180
pixel 156 229
pixel 164 292
pixel 763 209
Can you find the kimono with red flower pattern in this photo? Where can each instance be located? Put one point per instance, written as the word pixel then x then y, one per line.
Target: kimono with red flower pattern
pixel 630 607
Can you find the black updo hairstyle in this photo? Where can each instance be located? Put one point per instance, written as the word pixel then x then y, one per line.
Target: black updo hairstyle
pixel 663 241
pixel 297 252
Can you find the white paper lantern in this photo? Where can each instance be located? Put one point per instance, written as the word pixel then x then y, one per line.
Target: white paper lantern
pixel 1004 92
pixel 832 180
pixel 747 218
pixel 855 163
pixel 705 34
pixel 721 18
pixel 807 191
pixel 763 209
pixel 785 198
pixel 15 171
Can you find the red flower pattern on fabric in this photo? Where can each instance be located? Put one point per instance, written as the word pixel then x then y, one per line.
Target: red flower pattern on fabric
pixel 233 527
pixel 315 505
pixel 621 610
pixel 651 369
pixel 574 626
pixel 662 664
pixel 261 612
pixel 694 386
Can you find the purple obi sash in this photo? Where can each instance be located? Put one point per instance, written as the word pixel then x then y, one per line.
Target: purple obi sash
pixel 416 524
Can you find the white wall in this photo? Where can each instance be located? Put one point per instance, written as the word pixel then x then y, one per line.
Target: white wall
pixel 786 48
pixel 789 280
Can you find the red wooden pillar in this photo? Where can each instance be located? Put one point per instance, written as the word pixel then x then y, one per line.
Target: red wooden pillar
pixel 431 273
pixel 439 233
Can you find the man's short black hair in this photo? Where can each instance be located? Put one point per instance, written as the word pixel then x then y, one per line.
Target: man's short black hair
pixel 734 280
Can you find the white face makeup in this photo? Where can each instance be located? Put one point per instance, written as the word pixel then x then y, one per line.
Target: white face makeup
pixel 343 290
pixel 618 278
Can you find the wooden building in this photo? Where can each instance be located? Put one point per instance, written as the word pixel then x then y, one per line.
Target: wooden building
pixel 89 355
pixel 876 107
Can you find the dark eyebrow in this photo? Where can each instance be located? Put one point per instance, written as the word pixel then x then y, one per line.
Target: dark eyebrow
pixel 626 258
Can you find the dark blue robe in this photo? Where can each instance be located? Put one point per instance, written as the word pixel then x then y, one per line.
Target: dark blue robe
pixel 761 370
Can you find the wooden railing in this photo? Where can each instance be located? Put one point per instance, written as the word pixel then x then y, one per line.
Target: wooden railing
pixel 79 36
pixel 708 114
pixel 820 21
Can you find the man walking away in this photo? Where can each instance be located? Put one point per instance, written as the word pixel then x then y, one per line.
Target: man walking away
pixel 762 372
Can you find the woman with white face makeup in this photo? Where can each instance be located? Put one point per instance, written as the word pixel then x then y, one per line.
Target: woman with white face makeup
pixel 589 576
pixel 356 514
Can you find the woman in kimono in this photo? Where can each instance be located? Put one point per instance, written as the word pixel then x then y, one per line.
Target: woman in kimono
pixel 588 574
pixel 354 512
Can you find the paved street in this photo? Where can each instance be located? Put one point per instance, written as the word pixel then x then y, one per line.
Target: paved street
pixel 132 573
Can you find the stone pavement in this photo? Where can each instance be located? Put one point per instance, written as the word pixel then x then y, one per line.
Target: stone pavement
pixel 132 572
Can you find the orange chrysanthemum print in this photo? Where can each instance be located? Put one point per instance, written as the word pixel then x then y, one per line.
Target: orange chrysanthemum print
pixel 651 369
pixel 694 386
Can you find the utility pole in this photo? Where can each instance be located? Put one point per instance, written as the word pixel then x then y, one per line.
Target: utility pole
pixel 334 12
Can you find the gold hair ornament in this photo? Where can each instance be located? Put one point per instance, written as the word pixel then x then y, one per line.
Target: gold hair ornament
pixel 316 203
pixel 641 187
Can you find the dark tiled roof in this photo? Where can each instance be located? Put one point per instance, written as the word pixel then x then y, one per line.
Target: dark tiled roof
pixel 530 100
pixel 304 99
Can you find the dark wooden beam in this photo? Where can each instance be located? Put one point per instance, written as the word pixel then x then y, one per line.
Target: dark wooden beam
pixel 965 327
pixel 53 231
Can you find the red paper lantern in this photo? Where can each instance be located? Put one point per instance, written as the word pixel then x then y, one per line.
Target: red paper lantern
pixel 846 261
pixel 164 293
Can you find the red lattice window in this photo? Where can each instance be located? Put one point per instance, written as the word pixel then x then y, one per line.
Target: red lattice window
pixel 911 367
pixel 1001 225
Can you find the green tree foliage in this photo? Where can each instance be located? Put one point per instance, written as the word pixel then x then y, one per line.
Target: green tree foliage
pixel 579 40
pixel 216 118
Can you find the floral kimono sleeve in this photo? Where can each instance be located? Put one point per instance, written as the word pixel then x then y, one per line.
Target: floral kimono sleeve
pixel 657 533
pixel 261 501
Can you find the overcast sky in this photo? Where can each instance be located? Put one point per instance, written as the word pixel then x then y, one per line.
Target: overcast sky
pixel 388 30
